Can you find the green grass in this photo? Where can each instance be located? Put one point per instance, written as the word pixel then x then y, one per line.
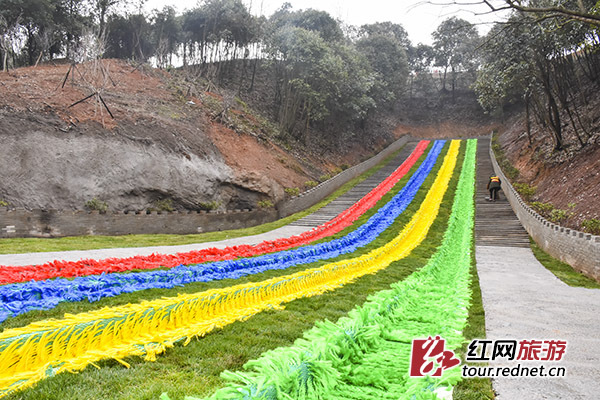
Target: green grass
pixel 563 271
pixel 474 388
pixel 195 369
pixel 34 245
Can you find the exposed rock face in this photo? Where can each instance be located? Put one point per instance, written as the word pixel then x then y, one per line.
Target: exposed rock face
pixel 46 168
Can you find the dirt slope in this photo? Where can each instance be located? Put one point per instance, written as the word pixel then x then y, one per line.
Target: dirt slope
pixel 161 144
pixel 567 177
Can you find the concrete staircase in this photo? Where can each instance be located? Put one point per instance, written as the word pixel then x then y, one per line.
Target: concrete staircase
pixel 495 222
pixel 346 200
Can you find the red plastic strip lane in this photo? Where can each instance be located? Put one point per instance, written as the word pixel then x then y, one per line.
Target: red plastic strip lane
pixel 54 269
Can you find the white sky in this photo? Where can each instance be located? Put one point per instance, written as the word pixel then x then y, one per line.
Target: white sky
pixel 419 20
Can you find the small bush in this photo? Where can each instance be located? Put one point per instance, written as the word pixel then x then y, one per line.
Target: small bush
pixel 511 172
pixel 209 205
pixel 336 171
pixel 292 191
pixel 96 205
pixel 324 177
pixel 242 104
pixel 310 184
pixel 557 215
pixel 4 203
pixel 544 209
pixel 164 205
pixel 344 167
pixel 591 226
pixel 265 204
pixel 526 191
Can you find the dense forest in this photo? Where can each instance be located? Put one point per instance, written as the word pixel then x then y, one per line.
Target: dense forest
pixel 326 75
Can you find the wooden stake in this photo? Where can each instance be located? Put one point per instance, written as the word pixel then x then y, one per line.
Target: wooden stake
pixel 82 100
pixel 67 76
pixel 105 106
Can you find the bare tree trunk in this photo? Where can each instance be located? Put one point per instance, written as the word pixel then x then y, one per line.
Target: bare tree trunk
pixel 527 118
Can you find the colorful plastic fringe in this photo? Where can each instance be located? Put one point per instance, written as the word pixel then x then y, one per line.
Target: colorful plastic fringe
pixel 19 298
pixel 366 355
pixel 45 348
pixel 54 269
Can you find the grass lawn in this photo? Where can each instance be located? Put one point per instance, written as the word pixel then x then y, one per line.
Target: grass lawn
pixel 474 388
pixel 563 271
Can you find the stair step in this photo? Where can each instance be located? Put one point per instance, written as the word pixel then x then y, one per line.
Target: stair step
pixel 495 221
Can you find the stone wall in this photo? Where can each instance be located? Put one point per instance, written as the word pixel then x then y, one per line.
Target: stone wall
pixel 55 223
pixel 578 249
pixel 313 196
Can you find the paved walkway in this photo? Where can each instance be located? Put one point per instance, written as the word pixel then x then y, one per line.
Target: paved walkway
pixel 305 224
pixel 523 300
pixel 99 254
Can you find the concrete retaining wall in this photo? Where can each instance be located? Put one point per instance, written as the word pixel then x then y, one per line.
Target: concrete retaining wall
pixel 578 249
pixel 313 196
pixel 55 223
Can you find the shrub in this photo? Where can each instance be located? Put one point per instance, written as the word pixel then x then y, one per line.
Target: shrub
pixel 209 205
pixel 265 204
pixel 557 215
pixel 164 205
pixel 544 209
pixel 292 191
pixel 344 167
pixel 324 177
pixel 526 191
pixel 311 184
pixel 336 171
pixel 591 226
pixel 4 203
pixel 511 172
pixel 96 205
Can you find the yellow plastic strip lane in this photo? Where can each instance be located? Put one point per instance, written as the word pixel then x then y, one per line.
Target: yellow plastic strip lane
pixel 46 348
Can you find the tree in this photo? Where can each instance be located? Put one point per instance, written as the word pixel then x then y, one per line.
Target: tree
pixel 454 44
pixel 9 41
pixel 102 10
pixel 34 16
pixel 71 21
pixel 217 32
pixel 312 20
pixel 583 11
pixel 540 64
pixel 387 57
pixel 166 35
pixel 129 37
pixel 420 60
pixel 586 11
pixel 387 28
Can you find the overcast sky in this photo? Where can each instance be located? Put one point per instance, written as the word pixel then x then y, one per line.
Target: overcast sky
pixel 418 20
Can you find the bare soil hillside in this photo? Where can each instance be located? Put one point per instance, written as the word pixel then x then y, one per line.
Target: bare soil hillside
pixel 162 146
pixel 571 176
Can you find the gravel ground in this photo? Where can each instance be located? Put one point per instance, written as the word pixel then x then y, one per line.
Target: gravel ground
pixel 523 300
